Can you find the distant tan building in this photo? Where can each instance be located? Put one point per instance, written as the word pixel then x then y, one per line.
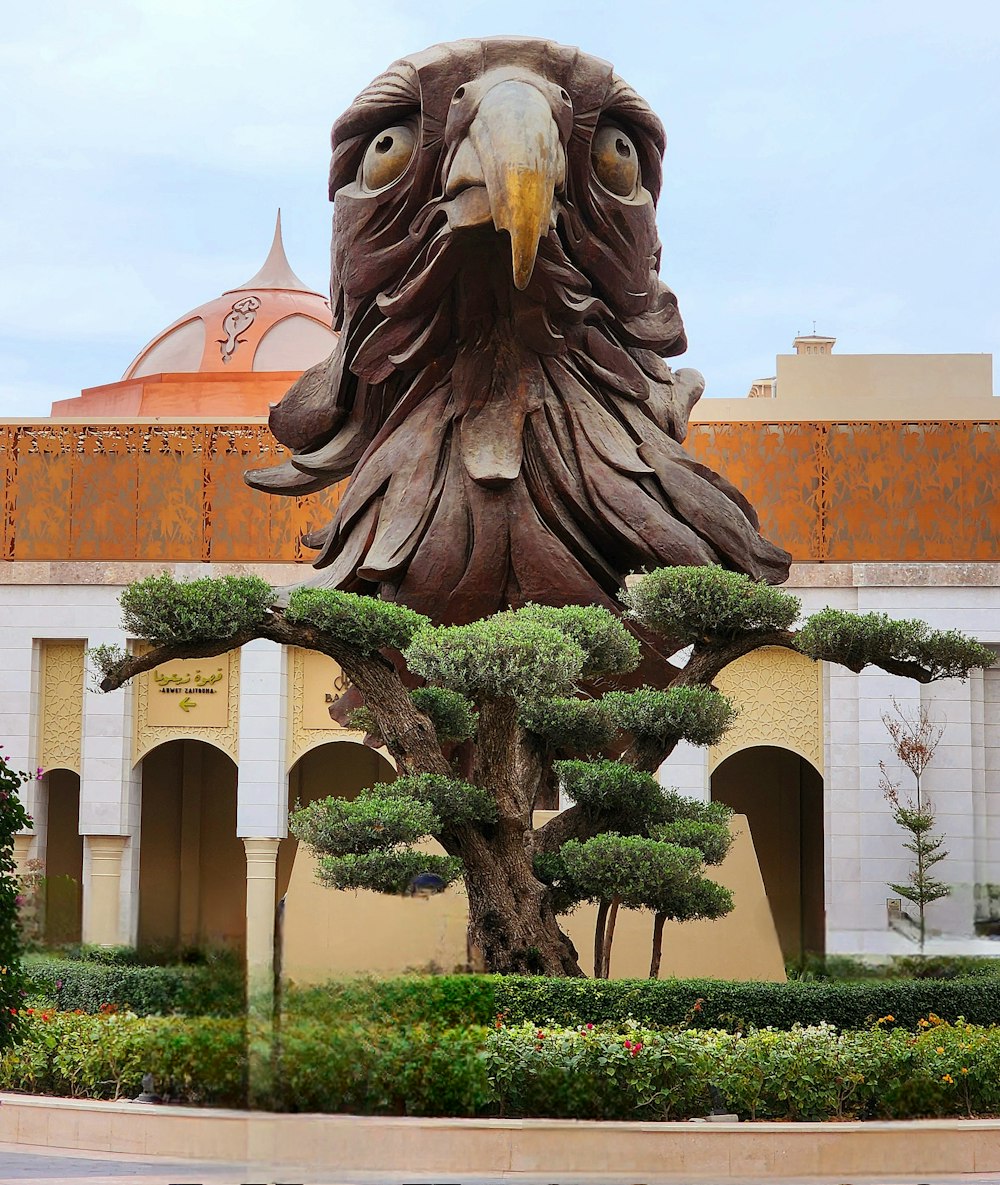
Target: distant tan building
pixel 816 383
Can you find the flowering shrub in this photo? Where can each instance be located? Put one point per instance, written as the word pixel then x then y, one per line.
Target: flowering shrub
pixel 375 1070
pixel 591 1072
pixel 104 1056
pixel 13 818
pixel 586 1071
pixel 806 1073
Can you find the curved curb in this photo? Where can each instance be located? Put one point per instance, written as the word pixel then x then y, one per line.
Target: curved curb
pixel 646 1151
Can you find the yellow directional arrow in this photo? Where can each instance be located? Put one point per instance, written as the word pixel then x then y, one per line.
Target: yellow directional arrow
pixel 187 703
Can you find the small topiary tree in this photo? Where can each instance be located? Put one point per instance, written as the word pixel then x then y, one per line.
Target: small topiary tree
pixel 514 703
pixel 915 739
pixel 662 871
pixel 13 818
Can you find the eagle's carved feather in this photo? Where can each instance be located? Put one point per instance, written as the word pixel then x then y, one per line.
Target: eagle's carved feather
pixel 499 397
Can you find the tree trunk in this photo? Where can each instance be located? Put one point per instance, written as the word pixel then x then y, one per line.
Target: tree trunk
pixel 599 925
pixel 609 937
pixel 654 962
pixel 511 921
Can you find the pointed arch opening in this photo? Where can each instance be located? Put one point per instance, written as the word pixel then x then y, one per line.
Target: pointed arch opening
pixel 781 794
pixel 62 858
pixel 192 866
pixel 342 768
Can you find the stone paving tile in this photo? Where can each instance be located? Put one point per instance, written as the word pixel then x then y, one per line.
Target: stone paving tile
pixel 22 1166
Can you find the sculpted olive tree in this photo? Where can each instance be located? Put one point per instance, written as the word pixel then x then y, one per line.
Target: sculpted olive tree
pixel 511 704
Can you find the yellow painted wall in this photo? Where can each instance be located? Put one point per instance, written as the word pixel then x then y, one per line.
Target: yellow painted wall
pixel 781 796
pixel 330 933
pixel 768 767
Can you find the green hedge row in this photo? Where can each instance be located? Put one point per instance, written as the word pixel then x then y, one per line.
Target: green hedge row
pixel 444 1000
pixel 452 1000
pixel 588 1072
pixel 812 967
pixel 735 1005
pixel 212 989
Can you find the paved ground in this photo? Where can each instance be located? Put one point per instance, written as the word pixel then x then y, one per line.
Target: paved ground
pixel 49 1166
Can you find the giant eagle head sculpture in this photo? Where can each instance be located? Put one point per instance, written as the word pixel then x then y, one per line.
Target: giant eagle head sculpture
pixel 498 393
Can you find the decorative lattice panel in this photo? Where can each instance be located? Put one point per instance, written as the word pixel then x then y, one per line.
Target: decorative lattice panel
pixel 866 491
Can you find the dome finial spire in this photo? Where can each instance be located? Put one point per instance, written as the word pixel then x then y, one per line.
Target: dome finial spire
pixel 277 271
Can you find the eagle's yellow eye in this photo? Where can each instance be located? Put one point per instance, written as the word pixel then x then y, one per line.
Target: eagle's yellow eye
pixel 615 161
pixel 387 157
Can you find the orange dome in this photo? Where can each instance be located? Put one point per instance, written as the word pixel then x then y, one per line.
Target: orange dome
pixel 233 356
pixel 272 322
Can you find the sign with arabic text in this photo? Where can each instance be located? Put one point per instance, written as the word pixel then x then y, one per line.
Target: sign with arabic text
pixel 188 693
pixel 323 683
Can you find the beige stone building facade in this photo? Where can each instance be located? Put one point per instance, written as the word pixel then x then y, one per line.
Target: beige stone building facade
pixel 161 818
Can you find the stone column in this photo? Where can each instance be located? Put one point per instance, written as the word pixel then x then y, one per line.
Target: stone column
pixel 262 855
pixel 22 850
pixel 262 794
pixel 102 870
pixel 107 823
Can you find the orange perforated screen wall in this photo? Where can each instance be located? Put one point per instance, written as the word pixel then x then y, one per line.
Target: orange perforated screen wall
pixel 866 491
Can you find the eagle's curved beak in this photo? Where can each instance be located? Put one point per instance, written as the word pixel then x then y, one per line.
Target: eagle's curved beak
pixel 513 149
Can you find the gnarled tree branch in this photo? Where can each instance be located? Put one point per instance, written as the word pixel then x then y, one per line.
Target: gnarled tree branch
pixel 408 734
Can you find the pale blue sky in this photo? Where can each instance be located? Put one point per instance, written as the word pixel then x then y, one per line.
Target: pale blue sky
pixel 832 160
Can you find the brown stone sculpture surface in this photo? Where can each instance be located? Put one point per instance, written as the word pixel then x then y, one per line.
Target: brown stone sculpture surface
pixel 498 393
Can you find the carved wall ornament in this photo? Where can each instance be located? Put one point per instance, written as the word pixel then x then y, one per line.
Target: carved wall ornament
pixel 236 322
pixel 315 684
pixel 61 714
pixel 498 393
pixel 780 696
